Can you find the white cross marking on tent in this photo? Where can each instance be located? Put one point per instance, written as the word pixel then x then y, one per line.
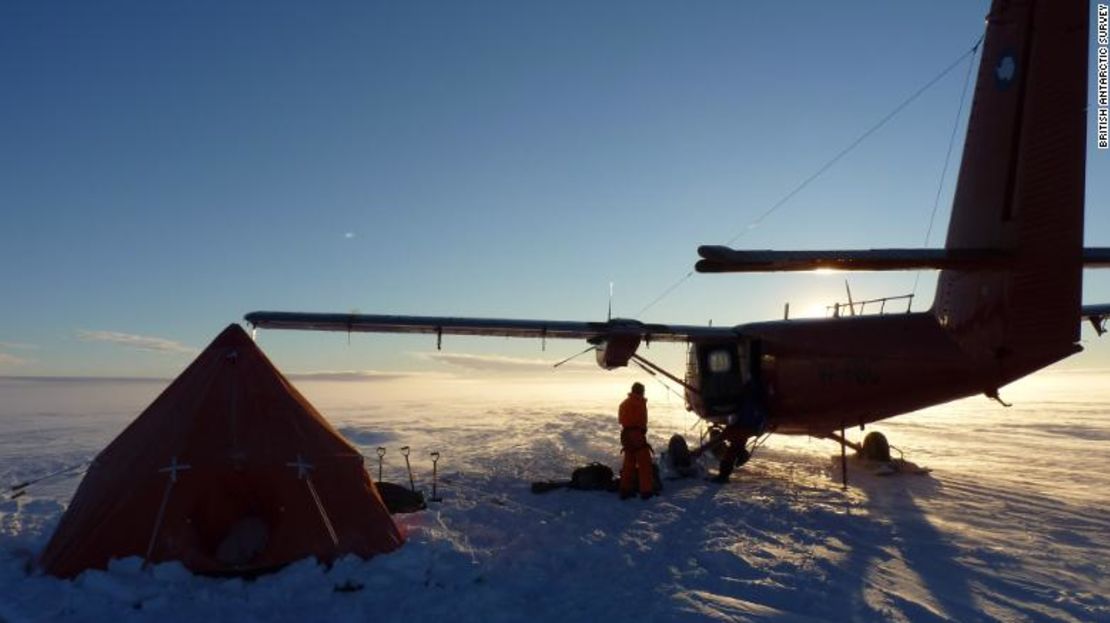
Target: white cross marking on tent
pixel 302 467
pixel 173 468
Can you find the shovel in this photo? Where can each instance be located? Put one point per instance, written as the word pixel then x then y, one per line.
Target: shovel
pixel 435 460
pixel 405 453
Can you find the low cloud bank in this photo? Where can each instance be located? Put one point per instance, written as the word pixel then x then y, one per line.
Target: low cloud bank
pixel 18 346
pixel 349 376
pixel 500 363
pixel 11 360
pixel 138 342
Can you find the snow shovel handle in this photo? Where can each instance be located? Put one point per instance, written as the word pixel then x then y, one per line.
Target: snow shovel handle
pixel 435 460
pixel 405 453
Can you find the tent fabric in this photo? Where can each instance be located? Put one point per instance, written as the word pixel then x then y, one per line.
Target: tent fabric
pixel 230 471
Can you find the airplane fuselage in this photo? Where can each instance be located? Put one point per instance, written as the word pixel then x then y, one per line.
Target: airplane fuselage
pixel 821 375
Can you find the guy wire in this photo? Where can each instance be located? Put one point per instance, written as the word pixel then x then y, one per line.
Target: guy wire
pixel 947 159
pixel 828 165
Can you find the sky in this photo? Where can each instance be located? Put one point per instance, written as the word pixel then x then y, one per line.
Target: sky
pixel 166 168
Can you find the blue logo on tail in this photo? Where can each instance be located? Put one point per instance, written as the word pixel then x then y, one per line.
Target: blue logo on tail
pixel 1005 71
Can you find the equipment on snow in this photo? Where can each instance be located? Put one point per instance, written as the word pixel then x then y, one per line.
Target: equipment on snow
pixel 399 500
pixel 592 477
pixel 405 453
pixel 435 460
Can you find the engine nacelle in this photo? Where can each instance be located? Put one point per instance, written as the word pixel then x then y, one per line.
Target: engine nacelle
pixel 616 349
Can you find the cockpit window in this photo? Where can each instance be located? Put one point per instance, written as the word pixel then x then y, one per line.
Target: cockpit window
pixel 720 361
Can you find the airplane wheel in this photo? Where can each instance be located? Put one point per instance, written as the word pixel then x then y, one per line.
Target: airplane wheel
pixel 875 447
pixel 679 452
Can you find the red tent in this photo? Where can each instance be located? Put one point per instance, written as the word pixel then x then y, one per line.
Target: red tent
pixel 230 470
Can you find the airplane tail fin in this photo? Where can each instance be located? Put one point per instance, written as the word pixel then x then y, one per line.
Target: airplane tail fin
pixel 1020 190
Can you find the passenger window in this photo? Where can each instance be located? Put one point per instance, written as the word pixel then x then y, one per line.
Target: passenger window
pixel 720 361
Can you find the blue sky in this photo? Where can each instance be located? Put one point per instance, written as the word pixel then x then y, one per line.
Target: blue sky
pixel 166 168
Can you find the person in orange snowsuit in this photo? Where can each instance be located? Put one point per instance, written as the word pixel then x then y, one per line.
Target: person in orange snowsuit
pixel 634 445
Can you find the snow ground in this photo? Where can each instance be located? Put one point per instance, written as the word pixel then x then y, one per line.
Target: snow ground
pixel 1010 525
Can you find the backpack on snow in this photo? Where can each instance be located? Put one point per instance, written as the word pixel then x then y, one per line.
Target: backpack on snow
pixel 594 476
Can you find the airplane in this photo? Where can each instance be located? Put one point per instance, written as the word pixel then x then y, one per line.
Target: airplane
pixel 1007 301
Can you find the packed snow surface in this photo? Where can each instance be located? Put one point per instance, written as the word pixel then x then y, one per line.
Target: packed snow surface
pixel 1010 524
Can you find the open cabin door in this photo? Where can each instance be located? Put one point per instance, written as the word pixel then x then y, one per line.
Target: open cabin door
pixel 719 371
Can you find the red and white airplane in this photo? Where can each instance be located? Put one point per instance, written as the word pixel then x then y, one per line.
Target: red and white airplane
pixel 1008 300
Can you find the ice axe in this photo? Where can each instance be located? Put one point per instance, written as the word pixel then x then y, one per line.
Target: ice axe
pixel 405 453
pixel 381 455
pixel 435 459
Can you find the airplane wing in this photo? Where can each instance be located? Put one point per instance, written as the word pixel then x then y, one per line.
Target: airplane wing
pixel 719 259
pixel 442 325
pixel 1097 315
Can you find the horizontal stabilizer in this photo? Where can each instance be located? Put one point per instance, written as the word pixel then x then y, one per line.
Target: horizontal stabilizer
pixel 1098 257
pixel 505 327
pixel 719 259
pixel 1097 315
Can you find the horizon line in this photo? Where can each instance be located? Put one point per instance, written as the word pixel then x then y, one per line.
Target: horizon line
pixel 355 376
